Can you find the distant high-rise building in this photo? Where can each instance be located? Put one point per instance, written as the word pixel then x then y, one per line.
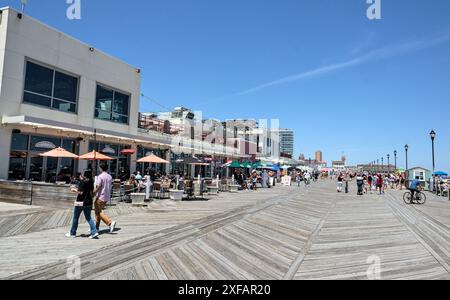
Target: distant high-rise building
pixel 286 137
pixel 319 157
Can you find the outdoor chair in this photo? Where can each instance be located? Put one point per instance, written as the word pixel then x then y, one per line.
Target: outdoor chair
pixel 128 189
pixel 117 192
pixel 188 188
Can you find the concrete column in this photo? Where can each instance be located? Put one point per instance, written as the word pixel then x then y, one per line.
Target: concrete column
pixel 167 166
pixel 84 148
pixel 5 148
pixel 133 159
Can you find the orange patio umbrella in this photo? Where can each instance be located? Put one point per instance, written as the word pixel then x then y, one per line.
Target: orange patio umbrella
pixel 153 159
pixel 59 152
pixel 94 155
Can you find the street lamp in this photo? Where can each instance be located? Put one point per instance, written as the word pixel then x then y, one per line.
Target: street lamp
pixel 406 151
pixel 433 137
pixel 382 165
pixel 378 166
pixel 395 157
pixel 389 167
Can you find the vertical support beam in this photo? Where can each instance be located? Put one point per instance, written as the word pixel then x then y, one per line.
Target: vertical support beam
pixel 133 159
pixel 167 166
pixel 84 148
pixel 5 147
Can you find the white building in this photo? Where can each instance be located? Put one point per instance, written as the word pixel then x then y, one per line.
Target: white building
pixel 54 91
pixel 57 91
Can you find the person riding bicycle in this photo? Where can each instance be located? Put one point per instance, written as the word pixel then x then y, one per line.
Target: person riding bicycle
pixel 414 187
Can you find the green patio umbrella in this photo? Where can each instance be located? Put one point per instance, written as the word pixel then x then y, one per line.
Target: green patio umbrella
pixel 247 164
pixel 257 165
pixel 235 164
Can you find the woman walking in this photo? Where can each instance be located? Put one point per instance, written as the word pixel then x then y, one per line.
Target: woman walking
pixel 83 204
pixel 380 183
pixel 340 183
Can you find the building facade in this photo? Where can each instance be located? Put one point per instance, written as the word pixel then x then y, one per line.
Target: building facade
pixel 56 91
pixel 319 156
pixel 286 138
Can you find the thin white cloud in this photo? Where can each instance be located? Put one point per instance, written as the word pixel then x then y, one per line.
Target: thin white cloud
pixel 381 53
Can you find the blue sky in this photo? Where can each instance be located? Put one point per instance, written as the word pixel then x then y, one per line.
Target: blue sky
pixel 343 83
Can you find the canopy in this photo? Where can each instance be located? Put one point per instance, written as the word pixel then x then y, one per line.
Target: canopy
pixel 257 165
pixel 235 164
pixel 94 155
pixel 128 151
pixel 59 152
pixel 153 159
pixel 274 168
pixel 192 161
pixel 440 173
pixel 286 167
pixel 247 164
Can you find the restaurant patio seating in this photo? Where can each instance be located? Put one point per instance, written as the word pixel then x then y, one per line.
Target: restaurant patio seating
pixel 127 190
pixel 117 192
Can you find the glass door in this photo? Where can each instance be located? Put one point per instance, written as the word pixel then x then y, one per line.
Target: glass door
pixel 51 168
pixel 35 167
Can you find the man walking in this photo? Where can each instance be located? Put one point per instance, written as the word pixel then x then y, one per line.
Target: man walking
pixel 103 196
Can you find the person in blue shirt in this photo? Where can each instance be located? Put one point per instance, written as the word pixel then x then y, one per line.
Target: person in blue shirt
pixel 414 187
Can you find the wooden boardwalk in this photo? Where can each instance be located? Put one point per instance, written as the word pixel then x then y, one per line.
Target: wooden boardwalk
pixel 282 233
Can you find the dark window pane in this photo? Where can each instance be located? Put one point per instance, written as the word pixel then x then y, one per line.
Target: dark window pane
pixel 64 106
pixel 36 99
pixel 65 87
pixel 17 165
pixel 121 103
pixel 119 119
pixel 104 99
pixel 19 142
pixel 36 164
pixel 38 79
pixel 69 145
pixel 102 115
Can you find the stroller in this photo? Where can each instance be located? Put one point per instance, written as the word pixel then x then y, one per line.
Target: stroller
pixel 360 184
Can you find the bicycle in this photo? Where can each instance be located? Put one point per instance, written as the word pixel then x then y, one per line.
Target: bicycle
pixel 419 197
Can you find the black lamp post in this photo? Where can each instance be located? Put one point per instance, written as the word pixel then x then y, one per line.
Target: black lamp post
pixel 389 167
pixel 433 137
pixel 395 158
pixel 407 172
pixel 406 151
pixel 382 165
pixel 378 166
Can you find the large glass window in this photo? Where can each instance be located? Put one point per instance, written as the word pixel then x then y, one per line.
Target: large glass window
pixel 119 167
pixel 50 88
pixel 111 105
pixel 25 161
